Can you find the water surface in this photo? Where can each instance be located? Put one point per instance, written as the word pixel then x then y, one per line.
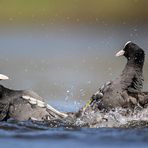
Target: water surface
pixel 34 136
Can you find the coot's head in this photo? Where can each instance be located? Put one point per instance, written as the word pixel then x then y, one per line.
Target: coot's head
pixel 133 53
pixel 3 77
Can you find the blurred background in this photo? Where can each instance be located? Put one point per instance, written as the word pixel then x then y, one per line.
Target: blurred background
pixel 64 50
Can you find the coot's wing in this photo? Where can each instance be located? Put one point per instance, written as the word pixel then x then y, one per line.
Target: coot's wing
pixel 4 107
pixel 36 101
pixel 96 100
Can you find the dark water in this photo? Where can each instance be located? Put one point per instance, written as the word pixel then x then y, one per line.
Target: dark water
pixel 65 65
pixel 27 135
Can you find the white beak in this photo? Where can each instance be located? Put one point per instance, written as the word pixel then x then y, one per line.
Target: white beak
pixel 3 77
pixel 120 53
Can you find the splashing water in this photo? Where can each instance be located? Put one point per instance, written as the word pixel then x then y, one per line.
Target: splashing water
pixel 119 117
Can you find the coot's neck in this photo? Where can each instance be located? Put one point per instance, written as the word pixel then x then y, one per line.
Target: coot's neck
pixel 132 75
pixel 136 61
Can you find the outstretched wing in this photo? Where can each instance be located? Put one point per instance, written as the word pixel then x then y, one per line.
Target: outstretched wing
pixel 96 100
pixel 41 104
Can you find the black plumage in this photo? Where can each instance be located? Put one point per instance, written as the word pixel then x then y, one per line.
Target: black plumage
pixel 12 105
pixel 125 90
pixel 23 105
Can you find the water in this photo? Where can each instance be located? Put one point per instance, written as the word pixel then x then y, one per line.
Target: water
pixel 66 65
pixel 28 135
pixel 80 137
